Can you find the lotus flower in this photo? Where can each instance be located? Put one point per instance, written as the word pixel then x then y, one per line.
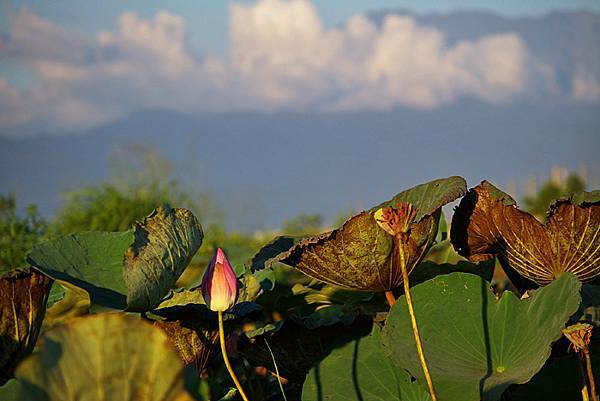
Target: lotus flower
pixel 219 284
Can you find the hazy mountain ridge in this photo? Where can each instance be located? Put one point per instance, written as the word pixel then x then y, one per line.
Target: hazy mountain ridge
pixel 265 167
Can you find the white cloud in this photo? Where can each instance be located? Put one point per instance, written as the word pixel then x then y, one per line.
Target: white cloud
pixel 281 57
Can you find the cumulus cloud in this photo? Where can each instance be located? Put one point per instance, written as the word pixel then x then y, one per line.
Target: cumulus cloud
pixel 281 57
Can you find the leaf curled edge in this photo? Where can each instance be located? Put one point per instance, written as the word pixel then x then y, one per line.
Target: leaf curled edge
pixel 488 223
pixel 164 244
pixel 361 255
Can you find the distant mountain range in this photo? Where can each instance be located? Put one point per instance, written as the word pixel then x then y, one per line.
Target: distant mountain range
pixel 265 167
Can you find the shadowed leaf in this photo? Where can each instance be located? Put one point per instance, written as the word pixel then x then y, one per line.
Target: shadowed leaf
pixel 361 371
pixel 104 357
pixel 192 338
pixel 296 348
pixel 90 260
pixel 476 346
pixel 266 256
pixel 558 380
pixel 487 223
pixel 362 256
pixel 23 297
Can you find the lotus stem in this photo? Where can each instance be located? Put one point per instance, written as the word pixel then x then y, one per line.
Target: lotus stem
pixel 590 374
pixel 391 299
pixel 584 389
pixel 413 321
pixel 226 359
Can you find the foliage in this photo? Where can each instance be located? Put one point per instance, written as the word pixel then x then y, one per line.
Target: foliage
pixel 310 309
pixel 487 223
pixel 131 270
pixel 302 224
pixel 550 191
pixel 490 344
pixel 18 234
pixel 23 298
pixel 106 208
pixel 105 342
pixel 361 371
pixel 140 181
pixel 362 255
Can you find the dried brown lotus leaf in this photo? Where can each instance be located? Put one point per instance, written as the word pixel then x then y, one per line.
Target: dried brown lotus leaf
pixel 488 223
pixel 193 342
pixel 23 297
pixel 362 255
pixel 359 255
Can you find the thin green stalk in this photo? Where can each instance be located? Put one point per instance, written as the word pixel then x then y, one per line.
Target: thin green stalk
pixel 226 359
pixel 276 371
pixel 413 321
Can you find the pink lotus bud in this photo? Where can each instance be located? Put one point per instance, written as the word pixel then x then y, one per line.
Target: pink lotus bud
pixel 219 284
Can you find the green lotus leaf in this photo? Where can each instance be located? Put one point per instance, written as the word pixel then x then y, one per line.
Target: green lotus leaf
pixel 104 357
pixel 487 223
pixel 430 196
pixel 164 245
pixel 23 296
pixel 363 256
pixel 361 371
pixel 130 270
pixel 11 391
pixel 427 270
pixel 92 261
pixel 475 345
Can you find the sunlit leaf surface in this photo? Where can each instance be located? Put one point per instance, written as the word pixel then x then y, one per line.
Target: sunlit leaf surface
pixel 105 357
pixel 361 371
pixel 475 345
pixel 362 256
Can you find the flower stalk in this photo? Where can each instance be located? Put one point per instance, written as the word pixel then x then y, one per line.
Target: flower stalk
pixel 220 292
pixel 397 222
pixel 226 359
pixel 413 322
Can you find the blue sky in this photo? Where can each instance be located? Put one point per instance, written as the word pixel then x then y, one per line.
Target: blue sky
pixel 208 32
